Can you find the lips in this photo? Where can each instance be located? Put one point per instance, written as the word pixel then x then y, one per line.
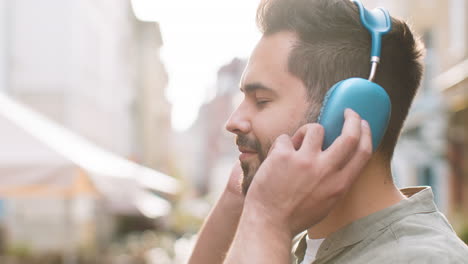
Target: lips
pixel 246 153
pixel 246 150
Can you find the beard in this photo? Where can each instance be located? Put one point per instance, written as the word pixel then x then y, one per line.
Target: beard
pixel 249 169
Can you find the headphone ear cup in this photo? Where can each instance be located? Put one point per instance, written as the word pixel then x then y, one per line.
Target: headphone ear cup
pixel 366 98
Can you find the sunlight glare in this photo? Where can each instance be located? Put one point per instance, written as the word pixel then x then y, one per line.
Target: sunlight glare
pixel 199 37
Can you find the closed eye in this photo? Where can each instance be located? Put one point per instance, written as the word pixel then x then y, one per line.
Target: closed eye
pixel 262 102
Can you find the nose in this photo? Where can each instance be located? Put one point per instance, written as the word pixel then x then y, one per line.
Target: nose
pixel 238 123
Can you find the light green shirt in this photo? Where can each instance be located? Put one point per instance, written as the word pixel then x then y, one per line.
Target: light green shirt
pixel 412 231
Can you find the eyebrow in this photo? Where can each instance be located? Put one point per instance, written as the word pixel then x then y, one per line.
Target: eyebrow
pixel 252 87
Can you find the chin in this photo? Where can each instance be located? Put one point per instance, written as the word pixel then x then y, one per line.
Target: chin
pixel 249 169
pixel 247 180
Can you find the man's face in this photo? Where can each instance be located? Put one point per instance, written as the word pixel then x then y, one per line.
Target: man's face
pixel 275 102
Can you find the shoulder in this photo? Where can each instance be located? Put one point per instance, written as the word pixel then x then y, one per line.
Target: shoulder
pixel 427 238
pixel 428 252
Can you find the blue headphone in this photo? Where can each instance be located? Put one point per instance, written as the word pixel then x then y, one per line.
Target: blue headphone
pixel 365 97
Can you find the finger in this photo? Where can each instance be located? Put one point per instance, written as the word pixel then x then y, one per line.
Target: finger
pixel 236 169
pixel 340 152
pixel 345 178
pixel 282 143
pixel 298 137
pixel 235 179
pixel 313 138
pixel 363 153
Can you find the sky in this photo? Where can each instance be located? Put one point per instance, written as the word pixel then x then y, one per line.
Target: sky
pixel 199 37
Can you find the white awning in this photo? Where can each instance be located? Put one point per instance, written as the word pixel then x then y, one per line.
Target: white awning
pixel 454 85
pixel 115 177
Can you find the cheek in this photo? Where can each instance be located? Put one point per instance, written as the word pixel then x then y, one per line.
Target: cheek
pixel 287 117
pixel 276 121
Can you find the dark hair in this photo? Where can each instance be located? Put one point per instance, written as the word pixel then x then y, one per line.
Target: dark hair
pixel 333 45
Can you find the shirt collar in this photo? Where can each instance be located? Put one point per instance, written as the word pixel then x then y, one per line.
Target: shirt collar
pixel 420 200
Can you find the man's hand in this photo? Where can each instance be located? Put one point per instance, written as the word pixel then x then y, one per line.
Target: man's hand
pixel 234 183
pixel 296 187
pixel 220 226
pixel 298 184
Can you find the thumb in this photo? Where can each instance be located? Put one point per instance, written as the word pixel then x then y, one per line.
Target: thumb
pixel 298 137
pixel 235 179
pixel 282 143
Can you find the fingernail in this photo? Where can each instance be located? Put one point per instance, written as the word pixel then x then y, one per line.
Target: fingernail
pixel 365 124
pixel 349 111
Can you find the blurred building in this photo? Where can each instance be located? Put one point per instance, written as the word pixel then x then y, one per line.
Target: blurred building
pixel 214 151
pixel 452 81
pixel 434 145
pixel 153 111
pixel 92 67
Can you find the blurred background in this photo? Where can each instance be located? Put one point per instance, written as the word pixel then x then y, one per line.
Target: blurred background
pixel 112 114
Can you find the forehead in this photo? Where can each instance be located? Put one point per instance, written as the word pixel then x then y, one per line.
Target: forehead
pixel 268 63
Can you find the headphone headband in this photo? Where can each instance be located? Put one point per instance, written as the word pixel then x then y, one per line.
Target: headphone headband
pixel 377 22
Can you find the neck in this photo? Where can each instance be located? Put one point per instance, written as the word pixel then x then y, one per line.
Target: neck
pixel 372 191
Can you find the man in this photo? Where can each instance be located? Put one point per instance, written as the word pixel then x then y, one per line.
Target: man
pixel 344 196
